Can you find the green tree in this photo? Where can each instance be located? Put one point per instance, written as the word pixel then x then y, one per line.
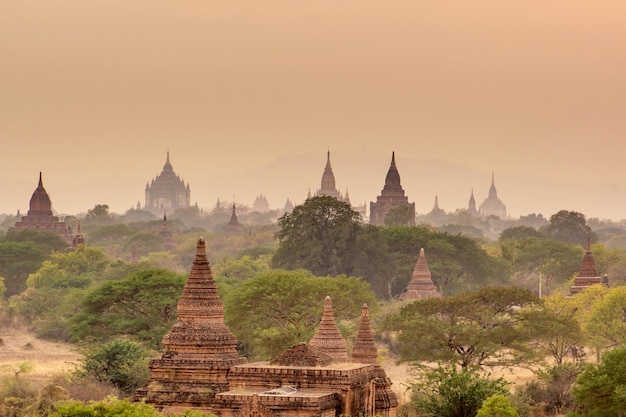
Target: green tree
pixel 402 215
pixel 497 405
pixel 112 407
pixel 551 392
pixel 448 392
pixel 318 235
pixel 478 328
pixel 607 321
pixel 569 227
pixel 520 232
pixel 122 363
pixel 600 391
pixel 142 306
pixel 555 328
pixel 277 309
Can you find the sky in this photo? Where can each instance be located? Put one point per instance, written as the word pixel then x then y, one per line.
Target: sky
pixel 95 92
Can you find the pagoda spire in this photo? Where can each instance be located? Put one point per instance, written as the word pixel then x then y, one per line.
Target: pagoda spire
pixel 328 338
pixel 364 350
pixel 421 284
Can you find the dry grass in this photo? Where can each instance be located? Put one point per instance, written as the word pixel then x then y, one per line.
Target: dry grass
pixel 46 359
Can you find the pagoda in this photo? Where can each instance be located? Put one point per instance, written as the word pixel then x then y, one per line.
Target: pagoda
pixel 233 226
pixel 492 206
pixel 167 191
pixel 328 182
pixel 40 217
pixel 588 275
pixel 168 239
pixel 421 285
pixel 391 196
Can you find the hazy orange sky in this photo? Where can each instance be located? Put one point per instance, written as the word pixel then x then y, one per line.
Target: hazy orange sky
pixel 91 90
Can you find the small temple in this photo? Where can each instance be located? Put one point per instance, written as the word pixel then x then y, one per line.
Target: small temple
pixel 391 196
pixel 492 206
pixel 328 187
pixel 166 234
pixel 260 204
pixel 79 238
pixel 421 285
pixel 40 217
pixel 167 191
pixel 471 206
pixel 233 226
pixel 201 369
pixel 588 275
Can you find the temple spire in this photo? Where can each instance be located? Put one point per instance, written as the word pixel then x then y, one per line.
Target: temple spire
pixel 365 350
pixel 328 338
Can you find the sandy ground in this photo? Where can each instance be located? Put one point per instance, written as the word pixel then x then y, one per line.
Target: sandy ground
pixel 46 359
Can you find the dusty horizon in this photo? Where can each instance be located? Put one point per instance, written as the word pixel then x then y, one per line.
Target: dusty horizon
pixel 97 92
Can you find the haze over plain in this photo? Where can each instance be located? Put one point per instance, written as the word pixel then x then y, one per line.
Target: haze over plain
pixel 95 93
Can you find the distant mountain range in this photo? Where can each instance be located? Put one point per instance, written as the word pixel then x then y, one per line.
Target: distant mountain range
pixel 362 173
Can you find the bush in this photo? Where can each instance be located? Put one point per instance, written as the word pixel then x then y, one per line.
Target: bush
pixel 121 363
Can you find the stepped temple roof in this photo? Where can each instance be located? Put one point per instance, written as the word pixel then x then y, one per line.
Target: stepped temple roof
pixel 588 274
pixel 364 350
pixel 328 339
pixel 392 195
pixel 421 285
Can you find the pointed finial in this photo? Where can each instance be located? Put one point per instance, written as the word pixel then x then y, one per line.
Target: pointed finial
pixel 167 161
pixel 588 243
pixel 493 178
pixel 393 157
pixel 40 181
pixel 78 228
pixel 164 215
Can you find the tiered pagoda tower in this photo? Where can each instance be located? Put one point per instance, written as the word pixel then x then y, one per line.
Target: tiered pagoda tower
pixel 588 275
pixel 391 196
pixel 233 226
pixel 328 187
pixel 328 339
pixel 167 191
pixel 199 349
pixel 40 217
pixel 421 285
pixel 168 239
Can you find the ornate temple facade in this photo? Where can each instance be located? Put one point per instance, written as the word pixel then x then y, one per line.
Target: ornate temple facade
pixel 167 192
pixel 40 217
pixel 201 369
pixel 588 274
pixel 421 285
pixel 492 206
pixel 391 196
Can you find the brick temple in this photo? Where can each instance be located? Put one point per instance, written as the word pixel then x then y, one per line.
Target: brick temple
pixel 40 217
pixel 588 274
pixel 421 285
pixel 167 192
pixel 201 369
pixel 392 195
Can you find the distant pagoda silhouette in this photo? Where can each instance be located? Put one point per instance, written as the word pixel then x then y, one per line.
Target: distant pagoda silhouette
pixel 493 206
pixel 167 191
pixel 588 274
pixel 392 195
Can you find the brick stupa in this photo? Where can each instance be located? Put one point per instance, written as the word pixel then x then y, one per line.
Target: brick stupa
pixel 328 339
pixel 588 275
pixel 392 195
pixel 199 349
pixel 364 350
pixel 168 239
pixel 421 285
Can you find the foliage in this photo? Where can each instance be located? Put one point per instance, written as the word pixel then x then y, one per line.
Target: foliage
pixel 122 363
pixel 520 232
pixel 277 309
pixel 555 328
pixel 600 391
pixel 497 406
pixel 142 305
pixel 457 263
pixel 557 262
pixel 22 253
pixel 551 391
pixel 569 227
pixel 402 215
pixel 448 392
pixel 318 235
pixel 478 328
pixel 112 407
pixel 607 321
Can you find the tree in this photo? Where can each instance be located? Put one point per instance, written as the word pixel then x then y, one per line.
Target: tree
pixel 318 235
pixel 552 390
pixel 402 215
pixel 555 328
pixel 112 407
pixel 478 328
pixel 277 309
pixel 448 392
pixel 607 321
pixel 122 363
pixel 142 306
pixel 497 406
pixel 520 232
pixel 569 227
pixel 600 391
